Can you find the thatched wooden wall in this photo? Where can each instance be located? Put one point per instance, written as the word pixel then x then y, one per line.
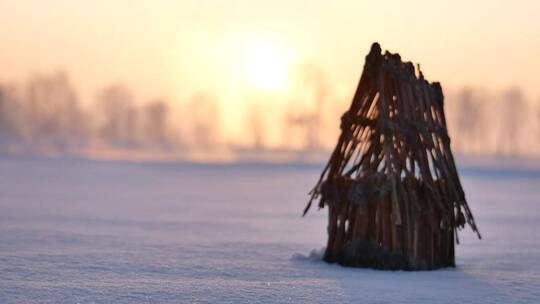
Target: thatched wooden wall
pixel 391 186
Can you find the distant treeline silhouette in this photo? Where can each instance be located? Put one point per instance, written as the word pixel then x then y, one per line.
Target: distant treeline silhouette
pixel 502 123
pixel 45 115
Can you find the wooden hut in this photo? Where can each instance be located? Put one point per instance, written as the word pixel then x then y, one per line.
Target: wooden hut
pixel 391 186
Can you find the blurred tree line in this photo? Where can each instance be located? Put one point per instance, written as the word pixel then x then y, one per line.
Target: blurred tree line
pixel 501 123
pixel 45 114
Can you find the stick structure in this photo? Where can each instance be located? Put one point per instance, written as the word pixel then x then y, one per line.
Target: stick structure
pixel 391 185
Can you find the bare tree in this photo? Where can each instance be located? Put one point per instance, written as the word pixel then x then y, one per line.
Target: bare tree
pixel 10 119
pixel 119 116
pixel 255 125
pixel 311 122
pixel 469 124
pixel 317 80
pixel 204 116
pixel 513 115
pixel 156 124
pixel 308 124
pixel 52 108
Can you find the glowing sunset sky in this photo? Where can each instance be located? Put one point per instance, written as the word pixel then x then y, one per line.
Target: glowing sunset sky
pixel 237 48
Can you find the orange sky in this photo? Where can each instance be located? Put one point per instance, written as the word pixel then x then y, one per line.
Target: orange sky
pixel 177 48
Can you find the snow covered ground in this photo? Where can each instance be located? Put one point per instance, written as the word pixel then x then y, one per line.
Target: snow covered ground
pixel 81 231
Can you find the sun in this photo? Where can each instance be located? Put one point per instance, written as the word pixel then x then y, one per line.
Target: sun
pixel 267 66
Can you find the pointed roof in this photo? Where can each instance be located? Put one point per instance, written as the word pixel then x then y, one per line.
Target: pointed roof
pixel 394 139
